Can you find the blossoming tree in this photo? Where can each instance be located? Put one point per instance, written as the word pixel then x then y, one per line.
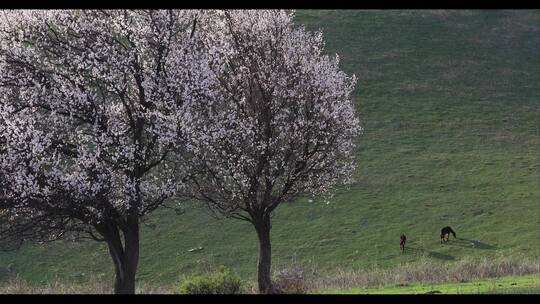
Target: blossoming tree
pixel 89 104
pixel 276 123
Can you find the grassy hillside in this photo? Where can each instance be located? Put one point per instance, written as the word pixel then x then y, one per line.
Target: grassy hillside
pixel 450 102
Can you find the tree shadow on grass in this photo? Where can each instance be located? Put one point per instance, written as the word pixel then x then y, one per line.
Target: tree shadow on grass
pixel 431 254
pixel 466 243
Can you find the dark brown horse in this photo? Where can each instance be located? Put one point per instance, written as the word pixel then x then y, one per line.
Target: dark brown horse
pixel 445 233
pixel 402 240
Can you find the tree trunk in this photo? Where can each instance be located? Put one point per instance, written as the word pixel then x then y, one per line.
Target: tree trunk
pixel 262 226
pixel 131 245
pixel 125 280
pixel 125 257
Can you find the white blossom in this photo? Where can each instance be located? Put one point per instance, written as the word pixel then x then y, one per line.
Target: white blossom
pixel 279 121
pixel 89 107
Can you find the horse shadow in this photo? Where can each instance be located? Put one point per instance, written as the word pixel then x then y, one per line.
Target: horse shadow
pixel 431 254
pixel 467 243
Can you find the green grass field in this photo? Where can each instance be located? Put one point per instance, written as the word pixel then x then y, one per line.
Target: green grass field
pixel 529 284
pixel 450 102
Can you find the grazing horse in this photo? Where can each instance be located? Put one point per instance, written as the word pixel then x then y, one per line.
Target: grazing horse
pixel 402 240
pixel 445 233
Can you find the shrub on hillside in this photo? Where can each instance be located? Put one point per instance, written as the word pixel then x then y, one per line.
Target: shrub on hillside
pixel 222 281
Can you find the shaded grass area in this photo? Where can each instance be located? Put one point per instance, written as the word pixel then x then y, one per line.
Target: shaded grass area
pixel 496 275
pixel 450 102
pixel 513 284
pixel 91 286
pixel 529 284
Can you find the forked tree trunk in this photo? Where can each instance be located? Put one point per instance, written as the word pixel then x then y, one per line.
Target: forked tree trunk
pixel 124 282
pixel 262 226
pixel 125 257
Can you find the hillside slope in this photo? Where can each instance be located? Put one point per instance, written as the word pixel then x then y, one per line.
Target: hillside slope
pixel 450 102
